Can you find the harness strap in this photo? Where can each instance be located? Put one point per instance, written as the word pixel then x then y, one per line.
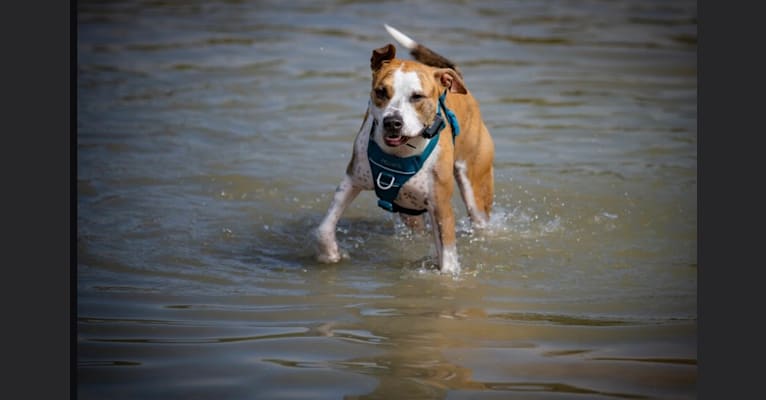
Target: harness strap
pixel 450 115
pixel 390 173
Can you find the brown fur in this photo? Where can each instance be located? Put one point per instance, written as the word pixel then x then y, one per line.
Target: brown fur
pixel 469 158
pixel 473 145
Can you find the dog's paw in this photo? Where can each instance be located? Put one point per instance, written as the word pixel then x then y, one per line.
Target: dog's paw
pixel 450 269
pixel 326 247
pixel 449 261
pixel 329 257
pixel 328 252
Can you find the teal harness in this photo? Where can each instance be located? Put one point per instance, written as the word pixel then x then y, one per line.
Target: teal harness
pixel 390 173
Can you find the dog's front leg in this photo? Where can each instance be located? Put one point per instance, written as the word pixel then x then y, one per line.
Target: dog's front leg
pixel 443 222
pixel 328 251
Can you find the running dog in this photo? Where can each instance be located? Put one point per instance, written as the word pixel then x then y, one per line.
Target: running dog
pixel 422 131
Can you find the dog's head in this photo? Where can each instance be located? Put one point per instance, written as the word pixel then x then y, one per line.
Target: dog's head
pixel 405 94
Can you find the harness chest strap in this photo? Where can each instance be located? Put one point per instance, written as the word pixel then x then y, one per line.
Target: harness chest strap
pixel 390 173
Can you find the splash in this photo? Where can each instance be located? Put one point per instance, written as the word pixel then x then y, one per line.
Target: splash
pixel 519 221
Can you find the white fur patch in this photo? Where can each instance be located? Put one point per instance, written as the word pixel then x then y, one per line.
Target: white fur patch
pixel 360 172
pixel 414 194
pixel 405 40
pixel 404 85
pixel 327 245
pixel 477 217
pixel 449 261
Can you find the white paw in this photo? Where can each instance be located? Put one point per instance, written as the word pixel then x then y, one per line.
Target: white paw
pixel 451 269
pixel 332 256
pixel 449 262
pixel 327 248
pixel 480 223
pixel 329 258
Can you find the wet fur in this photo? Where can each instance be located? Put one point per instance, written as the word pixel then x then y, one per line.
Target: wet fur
pixel 468 161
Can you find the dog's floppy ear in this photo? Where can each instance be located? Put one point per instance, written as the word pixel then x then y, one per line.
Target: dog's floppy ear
pixel 450 79
pixel 381 55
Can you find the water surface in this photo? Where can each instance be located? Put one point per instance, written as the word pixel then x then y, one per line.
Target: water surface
pixel 211 136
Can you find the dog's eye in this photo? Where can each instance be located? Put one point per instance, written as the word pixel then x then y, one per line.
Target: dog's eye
pixel 381 93
pixel 417 97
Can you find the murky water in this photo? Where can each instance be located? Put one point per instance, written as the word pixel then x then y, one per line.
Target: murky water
pixel 211 136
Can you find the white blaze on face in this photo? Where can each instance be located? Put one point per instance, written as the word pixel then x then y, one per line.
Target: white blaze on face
pixel 404 85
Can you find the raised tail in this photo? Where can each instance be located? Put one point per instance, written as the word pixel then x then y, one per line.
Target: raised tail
pixel 422 53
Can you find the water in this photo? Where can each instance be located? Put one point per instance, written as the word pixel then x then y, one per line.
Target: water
pixel 211 136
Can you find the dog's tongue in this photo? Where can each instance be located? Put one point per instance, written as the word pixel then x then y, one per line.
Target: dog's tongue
pixel 395 141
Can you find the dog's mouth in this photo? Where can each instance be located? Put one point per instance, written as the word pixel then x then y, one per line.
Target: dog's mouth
pixel 395 139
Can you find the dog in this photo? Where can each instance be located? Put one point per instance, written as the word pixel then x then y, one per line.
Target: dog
pixel 422 132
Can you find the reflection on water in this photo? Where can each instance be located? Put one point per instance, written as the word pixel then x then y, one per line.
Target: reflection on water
pixel 211 136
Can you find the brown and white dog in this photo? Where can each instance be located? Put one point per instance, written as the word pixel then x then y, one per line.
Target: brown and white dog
pixel 403 107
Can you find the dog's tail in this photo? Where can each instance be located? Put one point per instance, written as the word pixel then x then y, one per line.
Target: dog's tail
pixel 422 53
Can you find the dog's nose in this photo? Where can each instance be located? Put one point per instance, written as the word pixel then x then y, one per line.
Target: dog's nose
pixel 393 123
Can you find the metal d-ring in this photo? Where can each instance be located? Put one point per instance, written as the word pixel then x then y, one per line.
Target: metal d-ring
pixel 388 185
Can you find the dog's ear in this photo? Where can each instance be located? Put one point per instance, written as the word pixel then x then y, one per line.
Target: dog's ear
pixel 381 55
pixel 448 78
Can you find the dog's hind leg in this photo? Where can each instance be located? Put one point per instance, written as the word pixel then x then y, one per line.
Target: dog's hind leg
pixel 328 251
pixel 478 198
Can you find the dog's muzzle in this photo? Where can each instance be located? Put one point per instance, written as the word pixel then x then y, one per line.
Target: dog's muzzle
pixel 393 124
pixel 392 130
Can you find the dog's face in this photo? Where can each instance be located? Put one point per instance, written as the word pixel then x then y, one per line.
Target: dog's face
pixel 405 94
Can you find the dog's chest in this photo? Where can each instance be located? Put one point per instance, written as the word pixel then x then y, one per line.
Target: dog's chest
pixel 414 193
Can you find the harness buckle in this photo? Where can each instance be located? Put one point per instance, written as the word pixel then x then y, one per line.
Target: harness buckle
pixel 386 186
pixel 435 127
pixel 386 205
